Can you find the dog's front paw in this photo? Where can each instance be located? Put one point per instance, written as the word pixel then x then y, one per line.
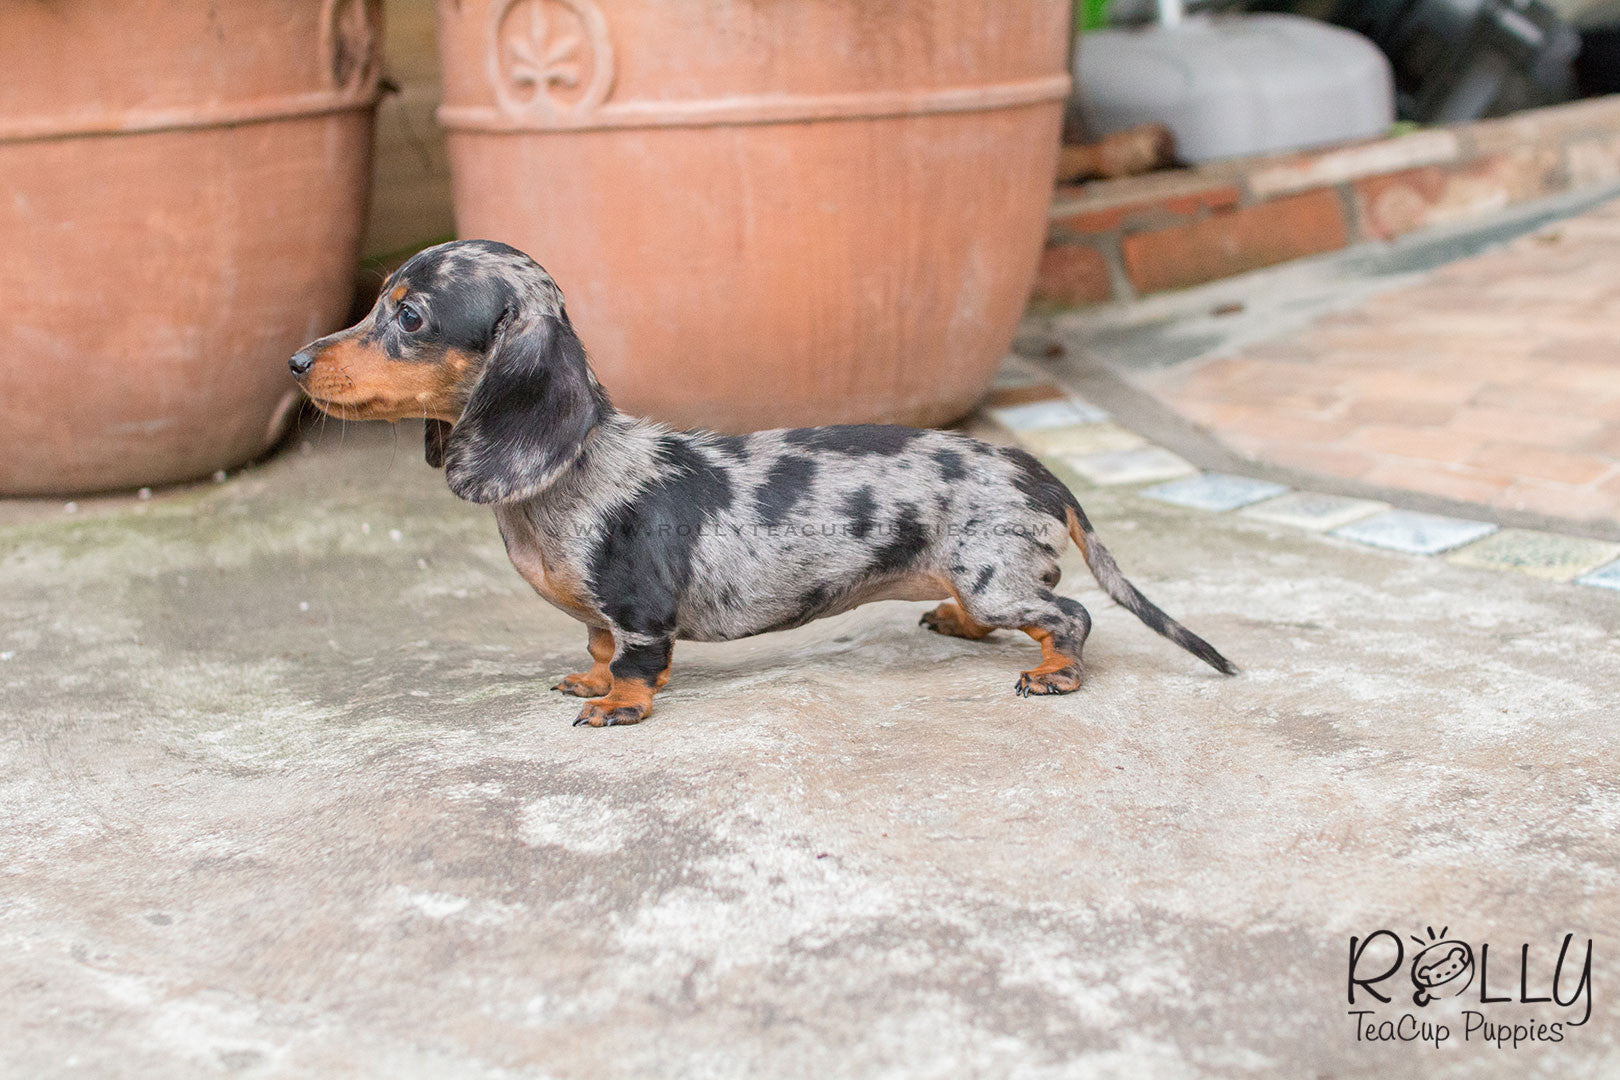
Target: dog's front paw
pixel 1062 681
pixel 609 712
pixel 586 684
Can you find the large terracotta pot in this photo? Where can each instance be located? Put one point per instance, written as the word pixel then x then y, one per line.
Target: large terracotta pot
pixel 182 189
pixel 767 212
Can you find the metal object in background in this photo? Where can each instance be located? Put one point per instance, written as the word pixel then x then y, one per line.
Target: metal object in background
pixel 1461 60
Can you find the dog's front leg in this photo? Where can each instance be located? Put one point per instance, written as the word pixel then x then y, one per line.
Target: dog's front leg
pixel 640 668
pixel 599 679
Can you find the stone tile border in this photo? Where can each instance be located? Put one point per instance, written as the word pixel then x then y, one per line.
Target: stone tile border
pixel 1050 421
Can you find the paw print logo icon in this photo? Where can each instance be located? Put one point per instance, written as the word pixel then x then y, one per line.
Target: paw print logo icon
pixel 1442 968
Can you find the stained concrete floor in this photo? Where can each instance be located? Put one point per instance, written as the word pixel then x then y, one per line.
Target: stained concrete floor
pixel 285 795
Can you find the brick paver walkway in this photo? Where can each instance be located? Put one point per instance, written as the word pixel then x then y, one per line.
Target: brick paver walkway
pixel 1496 380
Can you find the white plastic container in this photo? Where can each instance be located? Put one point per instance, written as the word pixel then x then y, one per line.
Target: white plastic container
pixel 1227 86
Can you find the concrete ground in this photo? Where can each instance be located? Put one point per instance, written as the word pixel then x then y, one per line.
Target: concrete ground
pixel 286 795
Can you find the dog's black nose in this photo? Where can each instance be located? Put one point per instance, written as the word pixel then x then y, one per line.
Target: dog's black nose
pixel 301 361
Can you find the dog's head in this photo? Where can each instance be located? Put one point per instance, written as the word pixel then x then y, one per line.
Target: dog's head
pixel 472 337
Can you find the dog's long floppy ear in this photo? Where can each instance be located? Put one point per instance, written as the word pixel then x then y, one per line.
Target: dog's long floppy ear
pixel 435 435
pixel 528 414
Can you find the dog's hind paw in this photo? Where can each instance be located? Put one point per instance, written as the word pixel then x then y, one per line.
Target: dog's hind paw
pixel 1062 681
pixel 949 619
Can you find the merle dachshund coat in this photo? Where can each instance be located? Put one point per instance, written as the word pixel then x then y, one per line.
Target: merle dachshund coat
pixel 648 535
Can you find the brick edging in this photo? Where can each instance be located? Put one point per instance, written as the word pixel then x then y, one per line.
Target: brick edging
pixel 1119 239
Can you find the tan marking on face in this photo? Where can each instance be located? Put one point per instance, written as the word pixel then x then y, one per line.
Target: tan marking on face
pixel 355 380
pixel 399 292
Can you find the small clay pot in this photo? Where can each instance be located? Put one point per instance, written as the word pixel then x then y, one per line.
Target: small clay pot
pixel 184 191
pixel 763 214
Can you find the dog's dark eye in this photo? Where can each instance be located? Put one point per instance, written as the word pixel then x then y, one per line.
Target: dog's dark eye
pixel 410 320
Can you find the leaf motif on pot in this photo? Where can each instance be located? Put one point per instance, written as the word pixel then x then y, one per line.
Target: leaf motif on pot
pixel 349 34
pixel 550 58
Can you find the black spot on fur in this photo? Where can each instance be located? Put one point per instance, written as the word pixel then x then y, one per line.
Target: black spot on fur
pixel 950 464
pixel 861 509
pixel 854 439
pixel 735 446
pixel 1069 607
pixel 985 574
pixel 1044 492
pixel 785 486
pixel 643 559
pixel 905 542
pixel 812 604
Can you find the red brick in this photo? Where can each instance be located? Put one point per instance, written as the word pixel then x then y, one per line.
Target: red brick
pixel 1560 500
pixel 1593 162
pixel 1106 205
pixel 1332 460
pixel 1234 242
pixel 1405 202
pixel 1442 445
pixel 1523 426
pixel 1155 211
pixel 1540 463
pixel 1024 395
pixel 1378 410
pixel 1073 274
pixel 1606 442
pixel 1284 174
pixel 1524 397
pixel 1467 485
pixel 1435 389
pixel 1548 125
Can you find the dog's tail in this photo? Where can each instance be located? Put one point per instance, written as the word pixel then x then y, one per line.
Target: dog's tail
pixel 1114 583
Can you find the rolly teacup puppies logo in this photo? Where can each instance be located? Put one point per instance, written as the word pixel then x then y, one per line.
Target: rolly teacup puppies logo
pixel 1440 966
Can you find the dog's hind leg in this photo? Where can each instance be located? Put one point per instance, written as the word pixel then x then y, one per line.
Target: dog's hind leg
pixel 1059 624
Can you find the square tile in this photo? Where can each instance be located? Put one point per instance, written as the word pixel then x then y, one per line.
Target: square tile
pixel 1143 465
pixel 1314 511
pixel 1215 491
pixel 1007 397
pixel 1039 415
pixel 1014 373
pixel 1539 554
pixel 1607 577
pixel 1081 439
pixel 1414 533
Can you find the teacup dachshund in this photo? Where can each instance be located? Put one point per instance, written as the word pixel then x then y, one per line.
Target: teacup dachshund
pixel 648 535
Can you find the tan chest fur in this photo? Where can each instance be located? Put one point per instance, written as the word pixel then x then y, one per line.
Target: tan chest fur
pixel 556 583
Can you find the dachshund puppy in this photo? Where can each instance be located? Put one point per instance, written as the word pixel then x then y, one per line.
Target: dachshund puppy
pixel 648 535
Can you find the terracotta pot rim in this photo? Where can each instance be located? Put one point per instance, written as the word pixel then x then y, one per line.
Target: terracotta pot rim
pixel 191 117
pixel 755 109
